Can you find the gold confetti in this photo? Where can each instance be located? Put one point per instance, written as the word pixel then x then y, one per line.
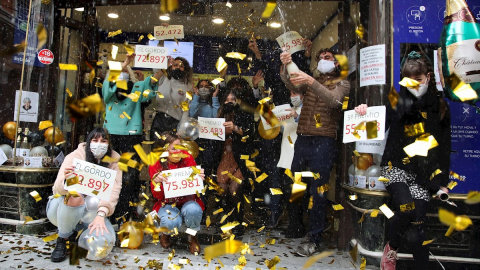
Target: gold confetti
pixel 313 259
pixel 362 218
pixel 473 197
pixel 145 196
pixel 255 153
pixel 45 124
pixel 421 146
pixel 353 253
pixel 374 213
pixel 435 173
pixel 126 115
pixel 383 179
pixel 462 90
pixel 393 97
pixel 409 83
pixel 72 181
pixel 95 192
pixel 130 50
pixel 36 196
pixel 414 130
pixel 289 173
pixel 140 38
pixel 272 263
pixel 229 226
pixel 217 211
pixel 345 103
pixel 298 189
pixel 114 33
pixel 457 176
pixel 27 219
pixel 67 66
pixel 246 199
pixel 371 127
pixel 41 35
pixel 264 100
pixel 73 193
pixel 276 191
pixel 427 242
pixel 245 157
pixel 459 223
pixel 235 55
pixel 353 197
pixel 405 160
pixel 150 36
pixel 262 177
pixel 386 211
pixel 244 139
pixel 267 12
pixel 189 95
pixel 360 31
pixel 50 237
pixel 450 230
pixel 220 65
pixel 222 248
pixel 407 207
pixel 363 263
pixel 452 184
pixel 185 106
pixel 261 229
pixel 310 203
pixel 318 121
pixel 337 207
pixel 208 221
pixel 356 153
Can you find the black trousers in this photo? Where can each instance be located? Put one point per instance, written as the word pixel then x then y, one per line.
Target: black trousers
pixel 161 123
pixel 408 225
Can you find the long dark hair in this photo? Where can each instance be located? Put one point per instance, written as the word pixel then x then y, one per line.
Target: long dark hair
pixel 212 87
pixel 417 64
pixel 244 91
pixel 166 138
pixel 186 67
pixel 94 134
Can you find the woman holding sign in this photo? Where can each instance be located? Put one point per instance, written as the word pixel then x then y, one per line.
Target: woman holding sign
pixel 412 179
pixel 173 210
pixel 68 210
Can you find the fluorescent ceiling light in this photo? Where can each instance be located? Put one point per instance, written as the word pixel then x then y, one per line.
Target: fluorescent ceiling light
pixel 217 20
pixel 275 24
pixel 113 15
pixel 80 9
pixel 164 17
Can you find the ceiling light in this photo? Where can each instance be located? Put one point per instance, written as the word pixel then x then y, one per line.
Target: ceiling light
pixel 275 24
pixel 164 17
pixel 218 20
pixel 80 9
pixel 113 15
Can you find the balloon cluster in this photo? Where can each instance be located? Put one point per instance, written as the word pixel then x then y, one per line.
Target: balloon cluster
pixel 100 246
pixel 366 165
pixel 188 129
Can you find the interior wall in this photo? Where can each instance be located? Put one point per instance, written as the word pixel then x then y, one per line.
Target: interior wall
pixel 326 39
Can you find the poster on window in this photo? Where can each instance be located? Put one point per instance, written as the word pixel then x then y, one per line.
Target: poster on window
pixel 28 106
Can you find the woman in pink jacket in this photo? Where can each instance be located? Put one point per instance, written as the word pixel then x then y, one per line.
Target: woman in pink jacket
pixel 67 212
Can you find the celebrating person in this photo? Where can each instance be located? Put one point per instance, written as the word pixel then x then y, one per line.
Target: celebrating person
pixel 315 147
pixel 412 183
pixel 173 210
pixel 205 101
pixel 66 211
pixel 171 98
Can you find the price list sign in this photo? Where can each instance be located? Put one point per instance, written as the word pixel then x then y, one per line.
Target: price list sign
pixel 151 57
pixel 92 180
pixel 180 182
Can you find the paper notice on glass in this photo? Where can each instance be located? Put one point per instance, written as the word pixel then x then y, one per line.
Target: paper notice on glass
pixel 92 180
pixel 212 128
pixel 151 57
pixel 3 157
pixel 291 41
pixel 371 146
pixel 33 162
pixel 168 32
pixel 372 65
pixel 180 182
pixel 352 59
pixel 283 116
pixel 28 106
pixel 357 127
pixel 57 162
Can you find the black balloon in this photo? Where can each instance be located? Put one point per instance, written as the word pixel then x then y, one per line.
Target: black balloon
pixel 54 150
pixel 36 138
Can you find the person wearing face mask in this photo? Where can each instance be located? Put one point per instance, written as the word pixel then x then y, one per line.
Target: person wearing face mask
pixel 239 131
pixel 173 210
pixel 412 184
pixel 65 211
pixel 173 89
pixel 125 132
pixel 316 147
pixel 205 101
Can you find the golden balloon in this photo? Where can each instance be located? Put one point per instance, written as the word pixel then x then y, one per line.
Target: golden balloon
pixel 49 135
pixel 192 147
pixel 364 161
pixel 131 234
pixel 268 134
pixel 9 129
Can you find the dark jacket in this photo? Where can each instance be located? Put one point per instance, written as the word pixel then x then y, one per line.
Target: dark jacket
pixel 409 112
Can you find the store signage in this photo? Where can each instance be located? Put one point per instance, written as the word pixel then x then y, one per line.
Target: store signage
pixel 45 56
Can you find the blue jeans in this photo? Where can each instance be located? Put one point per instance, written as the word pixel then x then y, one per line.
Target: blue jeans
pixel 66 218
pixel 191 212
pixel 317 154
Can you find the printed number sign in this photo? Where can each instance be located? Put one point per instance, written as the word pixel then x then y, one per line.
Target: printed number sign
pixel 352 121
pixel 151 57
pixel 212 128
pixel 291 41
pixel 282 115
pixel 169 32
pixel 93 180
pixel 178 183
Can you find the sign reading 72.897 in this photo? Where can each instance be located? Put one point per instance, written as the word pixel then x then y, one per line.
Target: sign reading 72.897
pixel 151 57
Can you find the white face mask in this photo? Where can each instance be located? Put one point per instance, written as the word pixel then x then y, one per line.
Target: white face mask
pixel 296 101
pixel 204 92
pixel 124 76
pixel 98 149
pixel 422 89
pixel 325 66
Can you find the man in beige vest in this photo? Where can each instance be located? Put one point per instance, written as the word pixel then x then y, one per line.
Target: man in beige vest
pixel 316 146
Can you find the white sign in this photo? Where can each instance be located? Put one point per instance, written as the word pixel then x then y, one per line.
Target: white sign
pixel 352 59
pixel 93 180
pixel 436 68
pixel 352 119
pixel 212 128
pixel 3 157
pixel 22 152
pixel 151 57
pixel 360 181
pixel 282 115
pixel 28 106
pixel 372 65
pixel 182 49
pixel 291 41
pixel 178 185
pixel 57 162
pixel 374 184
pixel 33 162
pixel 372 147
pixel 169 32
